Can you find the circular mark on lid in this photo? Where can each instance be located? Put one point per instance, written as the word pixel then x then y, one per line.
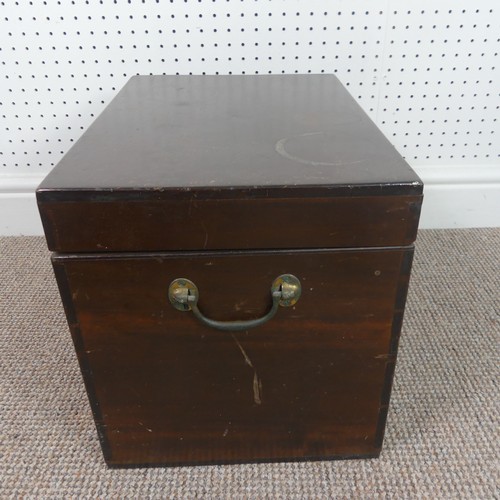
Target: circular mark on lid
pixel 319 144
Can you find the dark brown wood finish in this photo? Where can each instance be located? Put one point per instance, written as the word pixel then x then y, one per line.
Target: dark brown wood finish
pixel 181 158
pixel 167 390
pixel 187 133
pixel 230 182
pixel 210 224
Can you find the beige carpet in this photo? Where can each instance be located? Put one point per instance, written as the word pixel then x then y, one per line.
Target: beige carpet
pixel 442 436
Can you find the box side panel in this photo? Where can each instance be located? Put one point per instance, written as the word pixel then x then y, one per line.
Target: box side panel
pixel 309 384
pixel 397 323
pixel 79 345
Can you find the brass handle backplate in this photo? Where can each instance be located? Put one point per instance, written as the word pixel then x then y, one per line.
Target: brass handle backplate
pixel 183 295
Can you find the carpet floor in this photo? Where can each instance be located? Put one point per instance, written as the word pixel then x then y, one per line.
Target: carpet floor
pixel 442 437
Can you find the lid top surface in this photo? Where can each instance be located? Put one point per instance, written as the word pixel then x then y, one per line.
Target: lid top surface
pixel 188 132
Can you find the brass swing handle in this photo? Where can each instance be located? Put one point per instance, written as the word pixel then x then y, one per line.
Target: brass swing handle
pixel 183 295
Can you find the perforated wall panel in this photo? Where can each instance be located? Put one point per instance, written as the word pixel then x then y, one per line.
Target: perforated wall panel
pixel 425 71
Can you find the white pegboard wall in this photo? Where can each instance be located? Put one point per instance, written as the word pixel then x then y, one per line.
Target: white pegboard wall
pixel 425 72
pixel 439 98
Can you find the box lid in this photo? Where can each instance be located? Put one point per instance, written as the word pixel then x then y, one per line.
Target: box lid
pixel 202 155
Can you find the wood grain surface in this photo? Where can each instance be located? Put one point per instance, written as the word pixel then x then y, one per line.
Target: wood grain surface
pixel 193 132
pixel 209 224
pixel 312 383
pixel 230 162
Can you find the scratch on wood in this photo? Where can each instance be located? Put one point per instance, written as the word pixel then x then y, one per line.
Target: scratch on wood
pixel 247 359
pixel 257 382
pixel 206 234
pixel 147 428
pixel 383 356
pixel 257 388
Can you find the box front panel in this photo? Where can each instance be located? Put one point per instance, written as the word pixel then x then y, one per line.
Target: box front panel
pixel 313 382
pixel 191 222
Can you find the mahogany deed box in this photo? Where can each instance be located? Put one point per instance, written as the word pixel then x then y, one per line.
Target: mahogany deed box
pixel 233 256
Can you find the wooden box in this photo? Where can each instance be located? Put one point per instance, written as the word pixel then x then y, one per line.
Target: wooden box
pixel 233 256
